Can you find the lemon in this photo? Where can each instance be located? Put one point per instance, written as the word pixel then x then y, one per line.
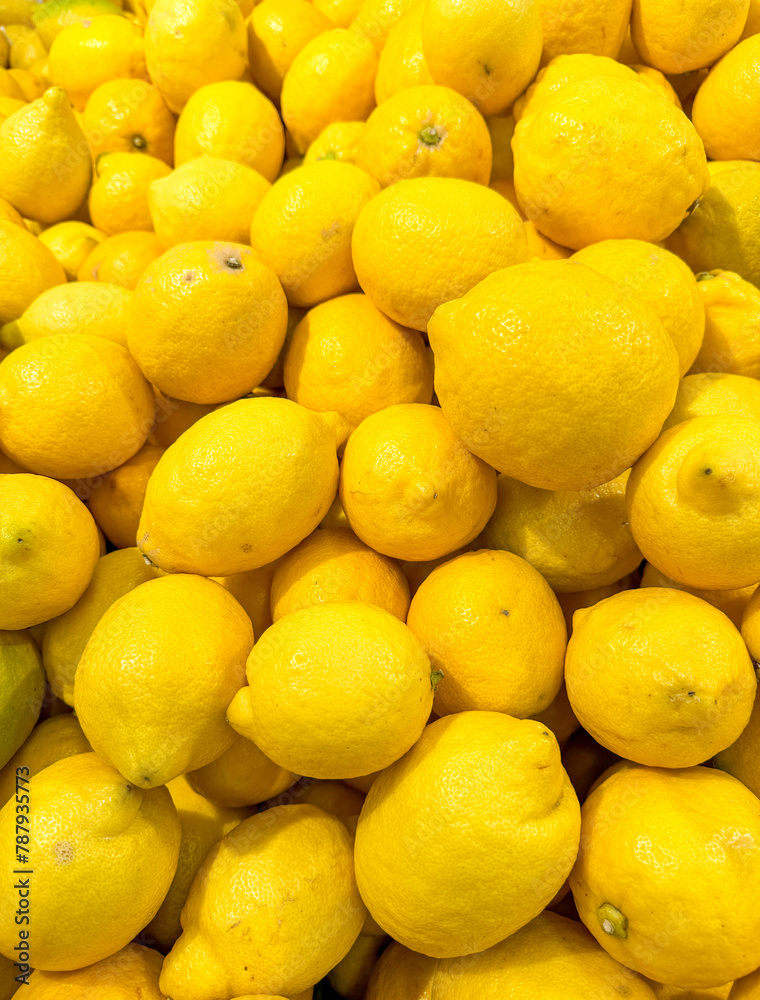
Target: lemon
pixel 492 626
pixel 291 853
pixel 23 686
pixel 628 188
pixel 333 565
pixel 731 342
pixel 347 356
pixel 90 411
pixel 402 63
pixel 127 696
pixel 87 53
pixel 242 776
pixel 583 27
pixel 53 16
pixel 71 242
pixel 104 854
pixel 9 214
pixel 428 240
pixel 27 268
pixel 668 864
pixel 692 503
pixel 270 464
pixel 476 784
pixel 52 739
pixel 131 971
pixel 205 199
pixel 350 976
pixel 409 488
pixel 344 668
pixel 49 550
pixel 679 37
pixel 740 758
pixel 731 602
pixel 425 132
pixel 402 974
pixel 330 80
pixel 116 499
pixel 340 12
pixel 343 801
pixel 277 31
pixel 118 199
pixel 202 825
pixel 125 116
pixel 193 43
pixel 121 259
pixel 212 320
pixel 709 394
pixel 99 309
pixel 576 539
pixel 726 102
pixel 659 677
pixel 564 71
pixel 336 141
pixel 488 51
pixel 66 636
pixel 252 590
pixel 751 627
pixel 745 988
pixel 539 405
pixel 44 164
pixel 722 231
pixel 231 120
pixel 173 417
pixel 659 279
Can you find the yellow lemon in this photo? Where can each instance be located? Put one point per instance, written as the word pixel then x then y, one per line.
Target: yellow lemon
pixel 731 602
pixel 583 27
pixel 659 82
pixel 9 87
pixel 124 116
pixel 341 13
pixel 310 249
pixel 332 565
pixel 708 394
pixel 428 240
pixel 576 539
pixel 121 259
pixel 28 51
pixel 731 342
pixel 332 79
pixel 492 626
pixel 9 214
pixel 751 627
pixel 693 503
pixel 94 308
pixel 71 243
pixel 564 71
pixel 376 18
pixel 337 141
pixel 501 128
pixel 752 24
pixel 476 784
pixel 487 51
pixel 277 31
pixel 104 854
pixel 350 976
pixel 193 43
pixel 203 824
pixel 345 355
pixel 741 758
pixel 205 199
pixel 341 800
pixel 409 487
pixel 73 405
pixel 402 64
pixel 722 231
pixel 31 85
pixel 241 487
pixel 116 499
pixel 88 53
pixel 170 635
pixel 252 591
pixel 425 132
pixel 628 188
pixel 746 988
pixel 132 971
pixel 324 674
pixel 44 164
pixel 49 550
pixel 659 677
pixel 532 364
pixel 118 200
pixel 240 893
pixel 173 417
pixel 662 281
pixel 23 688
pixel 726 103
pixel 242 776
pixel 540 247
pixel 27 268
pixel 679 37
pixel 402 974
pixel 231 120
pixel 51 740
pixel 66 636
pixel 668 863
pixel 211 322
pixel 559 716
pixel 52 17
pixel 9 106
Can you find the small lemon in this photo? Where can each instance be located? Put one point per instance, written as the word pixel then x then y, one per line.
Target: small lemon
pixel 577 599
pixel 402 63
pixel 252 591
pixel 678 37
pixel 731 342
pixel 71 243
pixel 708 394
pixel 95 308
pixel 402 974
pixel 376 18
pixel 242 776
pixel 173 417
pixel 118 199
pixel 121 259
pixel 116 499
pixel 277 31
pixel 336 141
pixel 125 116
pixel 49 550
pixel 583 27
pixel 27 268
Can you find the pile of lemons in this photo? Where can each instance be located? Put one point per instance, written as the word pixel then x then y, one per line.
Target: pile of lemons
pixel 379 499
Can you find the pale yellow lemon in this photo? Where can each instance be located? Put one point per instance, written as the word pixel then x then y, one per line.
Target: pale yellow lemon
pixel 209 321
pixel 335 691
pixel 492 626
pixel 27 268
pixel 409 487
pixel 124 116
pixel 118 199
pixel 707 394
pixel 277 31
pixel 242 776
pixel 95 308
pixel 731 342
pixel 71 242
pixel 731 602
pixel 538 405
pixel 157 674
pixel 679 37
